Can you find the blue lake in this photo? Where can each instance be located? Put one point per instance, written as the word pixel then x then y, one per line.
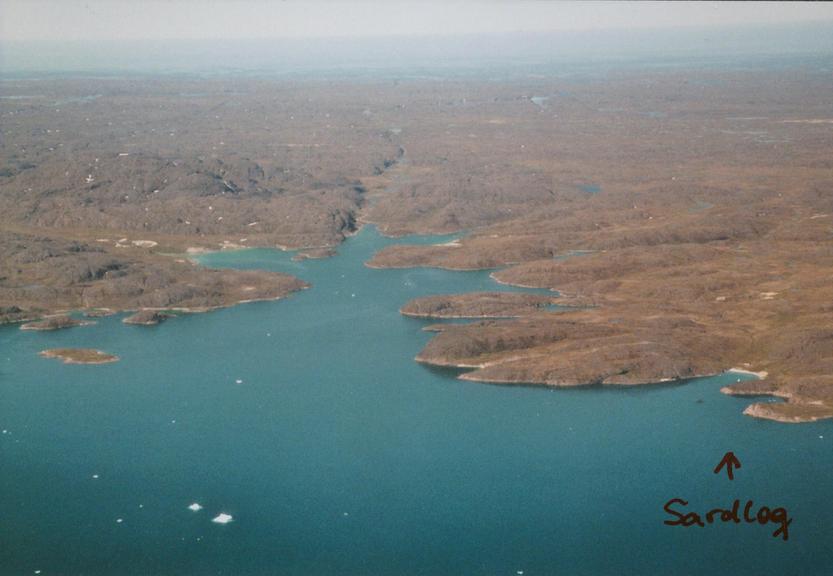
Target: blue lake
pixel 590 188
pixel 338 454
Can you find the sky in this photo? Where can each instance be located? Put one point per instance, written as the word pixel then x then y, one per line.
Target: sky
pixel 104 20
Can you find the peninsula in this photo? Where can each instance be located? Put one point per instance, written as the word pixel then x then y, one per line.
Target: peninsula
pixel 477 305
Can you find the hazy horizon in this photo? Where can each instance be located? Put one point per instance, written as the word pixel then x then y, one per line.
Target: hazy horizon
pixel 287 37
pixel 472 51
pixel 96 20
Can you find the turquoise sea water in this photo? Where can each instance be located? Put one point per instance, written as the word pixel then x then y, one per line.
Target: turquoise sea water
pixel 338 454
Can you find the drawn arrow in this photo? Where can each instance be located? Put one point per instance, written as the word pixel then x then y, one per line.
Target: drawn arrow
pixel 730 461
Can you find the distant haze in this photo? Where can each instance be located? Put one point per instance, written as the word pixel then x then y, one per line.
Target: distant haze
pixel 156 35
pixel 246 19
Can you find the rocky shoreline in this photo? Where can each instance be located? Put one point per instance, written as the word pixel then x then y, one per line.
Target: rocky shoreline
pixel 582 348
pixel 147 317
pixel 50 323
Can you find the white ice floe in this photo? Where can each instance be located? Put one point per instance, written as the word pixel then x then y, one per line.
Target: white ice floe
pixel 222 518
pixel 195 507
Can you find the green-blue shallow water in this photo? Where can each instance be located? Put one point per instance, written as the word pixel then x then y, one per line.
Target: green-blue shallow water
pixel 338 454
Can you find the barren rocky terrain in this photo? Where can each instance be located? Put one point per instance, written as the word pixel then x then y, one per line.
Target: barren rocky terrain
pixel 687 213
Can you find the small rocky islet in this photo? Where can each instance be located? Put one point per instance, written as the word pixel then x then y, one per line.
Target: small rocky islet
pixel 80 355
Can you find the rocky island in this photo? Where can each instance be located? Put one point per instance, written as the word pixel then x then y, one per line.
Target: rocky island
pixel 147 317
pixel 80 355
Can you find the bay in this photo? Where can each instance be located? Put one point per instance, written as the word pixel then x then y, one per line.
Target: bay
pixel 338 454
